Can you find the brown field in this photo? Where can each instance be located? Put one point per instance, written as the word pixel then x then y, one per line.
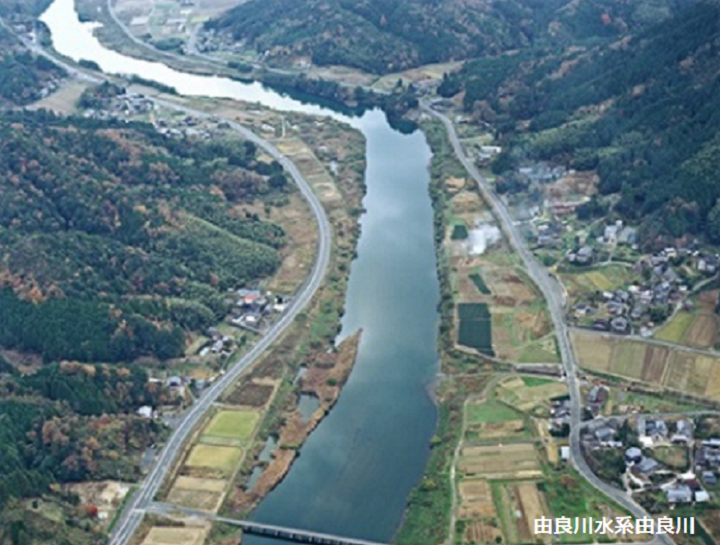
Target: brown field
pixel 479 533
pixel 513 460
pixel 204 485
pixel 202 500
pixel 703 331
pixel 654 364
pixel 531 503
pixel 673 368
pixel 496 430
pixel 251 394
pixel 476 499
pixel 165 535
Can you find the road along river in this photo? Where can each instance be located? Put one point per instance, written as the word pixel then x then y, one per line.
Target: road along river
pixel 355 471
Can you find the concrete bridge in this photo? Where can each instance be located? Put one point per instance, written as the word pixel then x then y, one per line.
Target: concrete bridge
pixel 295 535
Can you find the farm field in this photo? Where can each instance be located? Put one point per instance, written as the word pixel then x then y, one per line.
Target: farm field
pixel 621 402
pixel 673 368
pixel 527 393
pixel 219 458
pixel 485 271
pixel 521 503
pixel 196 493
pixel 475 329
pixel 480 283
pixel 514 460
pixel 181 535
pixel 699 328
pixel 232 424
pixel 608 278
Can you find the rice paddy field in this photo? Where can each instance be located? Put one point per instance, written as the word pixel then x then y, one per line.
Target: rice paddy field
pixel 673 368
pixel 505 478
pixel 475 329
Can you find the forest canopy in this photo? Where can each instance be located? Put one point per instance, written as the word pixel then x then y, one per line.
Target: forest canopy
pixel 117 240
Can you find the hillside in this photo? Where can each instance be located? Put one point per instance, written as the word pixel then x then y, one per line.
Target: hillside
pixel 65 424
pixel 381 36
pixel 643 112
pixel 117 240
pixel 24 77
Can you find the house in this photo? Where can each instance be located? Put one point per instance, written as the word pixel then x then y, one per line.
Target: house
pixel 709 477
pixel 604 434
pixel 684 432
pixel 584 255
pixel 708 264
pixel 633 455
pixel 597 394
pixel 679 494
pixel 174 382
pixel 647 466
pixel 620 324
pixel 145 411
pixel 701 496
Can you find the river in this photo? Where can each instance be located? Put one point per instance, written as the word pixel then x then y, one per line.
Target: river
pixel 355 471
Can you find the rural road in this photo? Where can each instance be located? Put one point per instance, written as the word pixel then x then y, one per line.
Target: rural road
pixel 133 512
pixel 552 292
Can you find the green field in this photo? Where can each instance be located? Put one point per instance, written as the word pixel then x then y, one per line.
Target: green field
pixel 490 411
pixel 480 283
pixel 232 424
pixel 475 330
pixel 531 382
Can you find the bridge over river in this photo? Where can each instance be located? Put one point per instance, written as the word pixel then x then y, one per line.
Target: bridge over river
pixel 268 530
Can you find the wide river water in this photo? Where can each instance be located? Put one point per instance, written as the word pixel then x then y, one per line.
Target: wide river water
pixel 355 471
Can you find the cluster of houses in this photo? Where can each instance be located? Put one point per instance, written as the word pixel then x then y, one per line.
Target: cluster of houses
pixel 634 306
pixel 253 307
pixel 643 472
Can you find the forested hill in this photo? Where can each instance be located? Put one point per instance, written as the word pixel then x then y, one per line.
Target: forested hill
pixel 117 240
pixel 644 112
pixel 64 424
pixel 382 36
pixel 23 75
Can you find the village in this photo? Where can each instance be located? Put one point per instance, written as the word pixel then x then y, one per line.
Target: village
pixel 663 461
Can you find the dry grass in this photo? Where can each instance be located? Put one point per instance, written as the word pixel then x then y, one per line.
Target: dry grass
pixel 532 505
pixel 476 499
pixel 518 460
pixel 187 535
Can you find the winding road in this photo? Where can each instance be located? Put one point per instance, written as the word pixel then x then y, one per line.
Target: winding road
pixel 133 511
pixel 553 293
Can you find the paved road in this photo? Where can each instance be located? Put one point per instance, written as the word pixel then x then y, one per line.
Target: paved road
pixel 132 514
pixel 553 293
